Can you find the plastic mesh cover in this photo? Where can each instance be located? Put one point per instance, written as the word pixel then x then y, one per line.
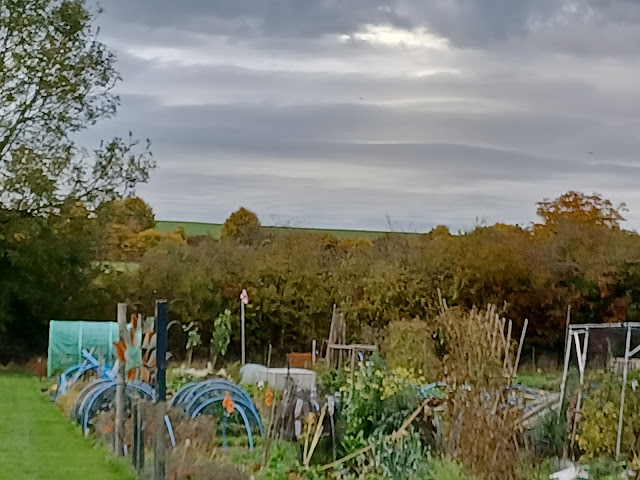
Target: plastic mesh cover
pixel 67 339
pixel 605 344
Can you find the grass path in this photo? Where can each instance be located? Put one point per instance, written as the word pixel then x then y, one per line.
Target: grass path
pixel 38 443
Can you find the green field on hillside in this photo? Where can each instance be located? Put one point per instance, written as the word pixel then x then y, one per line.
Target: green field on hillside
pixel 38 443
pixel 192 229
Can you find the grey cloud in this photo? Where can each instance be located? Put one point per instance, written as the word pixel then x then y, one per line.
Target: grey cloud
pixel 287 18
pixel 367 136
pixel 315 129
pixel 466 23
pixel 358 134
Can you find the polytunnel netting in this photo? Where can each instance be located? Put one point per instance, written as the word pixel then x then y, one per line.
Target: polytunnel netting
pixel 67 339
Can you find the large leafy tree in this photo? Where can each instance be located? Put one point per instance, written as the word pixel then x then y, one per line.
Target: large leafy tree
pixel 242 225
pixel 581 208
pixel 57 79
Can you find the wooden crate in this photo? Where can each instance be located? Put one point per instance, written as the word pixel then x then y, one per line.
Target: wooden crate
pixel 300 360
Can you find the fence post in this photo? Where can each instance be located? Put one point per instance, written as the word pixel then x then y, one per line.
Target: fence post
pixel 120 385
pixel 161 388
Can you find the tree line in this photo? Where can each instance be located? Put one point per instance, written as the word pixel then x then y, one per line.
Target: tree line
pixel 79 262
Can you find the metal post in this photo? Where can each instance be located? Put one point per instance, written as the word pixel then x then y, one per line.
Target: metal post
pixel 566 327
pixel 622 394
pixel 161 388
pixel 242 332
pixel 138 439
pixel 533 357
pixel 120 385
pixel 313 352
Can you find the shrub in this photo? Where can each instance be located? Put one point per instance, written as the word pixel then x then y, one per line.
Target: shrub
pixel 283 458
pixel 377 401
pixel 599 425
pixel 410 344
pixel 604 468
pixel 329 379
pixel 548 436
pixel 379 398
pixel 221 335
pixel 535 469
pixel 445 469
pixel 482 420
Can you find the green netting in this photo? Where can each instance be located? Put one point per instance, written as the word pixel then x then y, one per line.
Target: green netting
pixel 67 339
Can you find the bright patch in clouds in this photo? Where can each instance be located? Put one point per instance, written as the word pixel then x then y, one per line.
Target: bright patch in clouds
pixel 392 36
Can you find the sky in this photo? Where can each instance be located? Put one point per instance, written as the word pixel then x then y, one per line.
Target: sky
pixel 379 114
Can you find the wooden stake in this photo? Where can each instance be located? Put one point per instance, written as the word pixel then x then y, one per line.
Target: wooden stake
pixel 507 349
pixel 524 332
pixel 565 372
pixel 120 385
pixel 268 435
pixel 582 363
pixel 316 437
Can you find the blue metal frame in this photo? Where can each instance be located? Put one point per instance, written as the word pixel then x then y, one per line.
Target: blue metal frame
pixel 172 437
pixel 177 398
pixel 241 411
pixel 78 405
pixel 83 407
pixel 80 369
pixel 198 394
pixel 203 396
pixel 94 396
pixel 198 389
pixel 194 398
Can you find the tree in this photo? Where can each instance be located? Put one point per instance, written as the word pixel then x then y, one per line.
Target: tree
pixel 44 273
pixel 242 225
pixel 132 212
pixel 125 229
pixel 578 207
pixel 56 79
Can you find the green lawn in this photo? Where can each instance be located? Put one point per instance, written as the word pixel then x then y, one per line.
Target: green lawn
pixel 213 229
pixel 546 380
pixel 38 443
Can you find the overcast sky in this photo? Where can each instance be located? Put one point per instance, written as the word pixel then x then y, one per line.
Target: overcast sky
pixel 354 113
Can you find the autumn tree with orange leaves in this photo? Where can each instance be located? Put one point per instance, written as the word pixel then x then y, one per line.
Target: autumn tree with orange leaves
pixel 578 207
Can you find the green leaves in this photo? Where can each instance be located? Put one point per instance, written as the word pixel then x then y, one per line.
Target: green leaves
pixel 56 79
pixel 599 422
pixel 193 338
pixel 221 333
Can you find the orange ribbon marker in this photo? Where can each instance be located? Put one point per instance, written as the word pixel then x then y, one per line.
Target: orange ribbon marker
pixel 228 403
pixel 268 397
